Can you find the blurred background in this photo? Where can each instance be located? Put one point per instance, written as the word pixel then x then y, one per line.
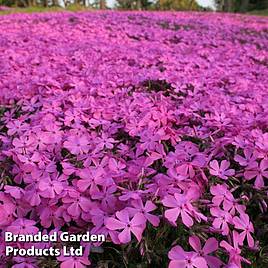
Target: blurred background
pixel 237 6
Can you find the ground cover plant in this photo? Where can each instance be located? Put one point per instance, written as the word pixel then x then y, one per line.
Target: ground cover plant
pixel 150 128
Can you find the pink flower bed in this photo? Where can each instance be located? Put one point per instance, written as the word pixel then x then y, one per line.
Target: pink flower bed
pixel 124 123
pixel 5 8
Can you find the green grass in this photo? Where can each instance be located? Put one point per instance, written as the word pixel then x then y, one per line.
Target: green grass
pixel 75 8
pixel 45 9
pixel 263 12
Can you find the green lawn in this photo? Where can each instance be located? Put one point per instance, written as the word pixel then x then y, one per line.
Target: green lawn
pixel 82 8
pixel 44 9
pixel 263 12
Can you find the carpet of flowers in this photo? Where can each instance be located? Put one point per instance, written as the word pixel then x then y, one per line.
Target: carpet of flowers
pixel 150 128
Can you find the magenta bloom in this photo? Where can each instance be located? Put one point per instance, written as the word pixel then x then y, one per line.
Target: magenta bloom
pixel 25 262
pixel 77 203
pixel 180 206
pixel 221 170
pixel 248 159
pixel 243 223
pixel 182 259
pixel 50 188
pixel 221 195
pixel 234 251
pixel 149 206
pixel 222 219
pixel 74 262
pixel 210 246
pixel 258 171
pixel 77 145
pixel 136 225
pixel 23 226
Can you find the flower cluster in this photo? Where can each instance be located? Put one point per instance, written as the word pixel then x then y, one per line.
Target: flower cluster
pixel 122 123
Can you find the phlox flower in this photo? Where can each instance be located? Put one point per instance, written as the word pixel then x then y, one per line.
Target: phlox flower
pixel 7 208
pixel 234 251
pixel 210 246
pixel 16 127
pixel 250 157
pixel 185 160
pixel 74 262
pixel 258 171
pixel 180 206
pixel 222 219
pixel 106 196
pixel 130 122
pixel 77 145
pixel 14 191
pixel 138 207
pixel 23 262
pixel 221 195
pixel 262 142
pixel 149 141
pixel 48 216
pixel 32 194
pixel 77 203
pixel 50 188
pixel 221 170
pixel 104 142
pixel 116 166
pixel 136 225
pixel 183 259
pixel 91 178
pixel 23 144
pixel 23 226
pixel 243 223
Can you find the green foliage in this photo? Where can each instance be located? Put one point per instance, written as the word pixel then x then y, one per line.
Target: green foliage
pixel 263 12
pixel 135 4
pixel 73 8
pixel 259 6
pixel 158 4
pixel 178 5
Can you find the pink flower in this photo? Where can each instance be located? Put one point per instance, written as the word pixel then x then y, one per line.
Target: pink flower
pixel 129 126
pixel 77 145
pixel 116 166
pixel 23 144
pixel 180 206
pixel 221 170
pixel 74 262
pixel 104 142
pixel 185 160
pixel 210 246
pixel 149 141
pixel 149 206
pixel 16 126
pixel 50 188
pixel 248 159
pixel 32 195
pixel 182 259
pixel 136 225
pixel 22 226
pixel 258 171
pixel 7 210
pixel 243 223
pixel 90 178
pixel 14 191
pixel 222 219
pixel 234 251
pixel 48 216
pixel 262 142
pixel 221 194
pixel 24 262
pixel 77 203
